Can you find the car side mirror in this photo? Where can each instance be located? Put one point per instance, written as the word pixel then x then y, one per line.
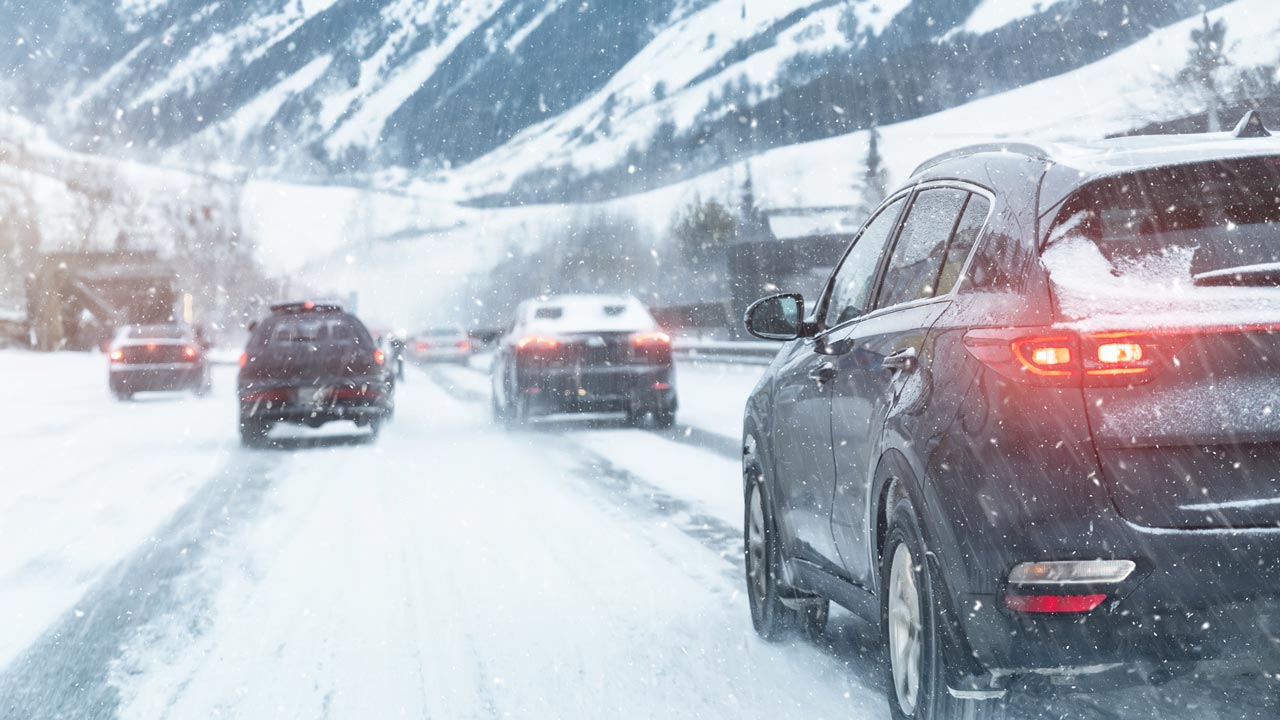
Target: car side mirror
pixel 778 317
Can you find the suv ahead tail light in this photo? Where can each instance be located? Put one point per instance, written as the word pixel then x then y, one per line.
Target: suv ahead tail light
pixel 117 356
pixel 1050 357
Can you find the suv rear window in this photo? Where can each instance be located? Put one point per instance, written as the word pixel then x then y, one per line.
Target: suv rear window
pixel 1154 238
pixel 312 330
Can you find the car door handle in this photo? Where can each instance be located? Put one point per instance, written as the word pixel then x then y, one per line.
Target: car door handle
pixel 904 360
pixel 823 372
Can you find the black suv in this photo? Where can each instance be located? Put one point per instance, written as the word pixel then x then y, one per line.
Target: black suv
pixel 310 364
pixel 1032 427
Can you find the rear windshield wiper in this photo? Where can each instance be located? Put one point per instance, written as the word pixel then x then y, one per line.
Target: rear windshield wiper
pixel 1261 275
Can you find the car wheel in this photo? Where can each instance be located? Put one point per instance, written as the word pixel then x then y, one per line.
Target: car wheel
pixel 122 395
pixel 910 613
pixel 771 616
pixel 664 419
pixel 375 427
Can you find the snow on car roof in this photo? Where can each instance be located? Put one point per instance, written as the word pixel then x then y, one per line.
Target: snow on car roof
pixel 587 313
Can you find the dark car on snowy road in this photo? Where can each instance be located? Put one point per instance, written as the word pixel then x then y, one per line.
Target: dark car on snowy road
pixel 147 358
pixel 584 353
pixel 1032 426
pixel 311 364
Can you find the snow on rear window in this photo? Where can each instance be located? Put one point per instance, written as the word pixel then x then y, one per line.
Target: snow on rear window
pixel 588 313
pixel 1171 246
pixel 1153 289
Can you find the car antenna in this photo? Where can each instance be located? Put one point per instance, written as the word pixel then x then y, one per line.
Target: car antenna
pixel 1250 126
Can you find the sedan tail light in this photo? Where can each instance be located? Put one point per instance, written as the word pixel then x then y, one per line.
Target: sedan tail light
pixel 117 356
pixel 189 353
pixel 537 342
pixel 379 357
pixel 652 339
pixel 244 359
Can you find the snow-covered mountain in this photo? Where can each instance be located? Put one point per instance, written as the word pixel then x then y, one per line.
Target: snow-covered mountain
pixel 542 98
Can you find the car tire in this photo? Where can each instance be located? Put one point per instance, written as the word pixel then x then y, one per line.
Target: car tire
pixel 910 618
pixel 375 427
pixel 772 617
pixel 664 420
pixel 122 395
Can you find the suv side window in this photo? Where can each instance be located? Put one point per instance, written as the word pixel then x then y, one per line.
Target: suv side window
pixel 921 249
pixel 963 240
pixel 851 288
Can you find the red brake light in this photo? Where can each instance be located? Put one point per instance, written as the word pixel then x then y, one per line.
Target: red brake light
pixel 244 359
pixel 651 339
pixel 422 347
pixel 309 305
pixel 117 355
pixel 1044 356
pixel 189 353
pixel 538 343
pixel 464 344
pixel 1053 603
pixel 1036 356
pixel 379 357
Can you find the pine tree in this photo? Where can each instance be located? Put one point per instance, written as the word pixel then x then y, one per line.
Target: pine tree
pixel 874 182
pixel 1207 56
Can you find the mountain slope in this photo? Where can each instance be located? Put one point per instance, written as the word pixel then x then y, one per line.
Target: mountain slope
pixel 545 99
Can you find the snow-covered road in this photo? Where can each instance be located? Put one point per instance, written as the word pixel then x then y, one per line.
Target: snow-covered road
pixel 151 568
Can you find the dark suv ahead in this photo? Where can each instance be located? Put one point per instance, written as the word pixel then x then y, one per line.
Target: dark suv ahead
pixel 1032 427
pixel 310 364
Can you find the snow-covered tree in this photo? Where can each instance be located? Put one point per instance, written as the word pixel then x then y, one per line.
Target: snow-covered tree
pixel 1207 56
pixel 873 185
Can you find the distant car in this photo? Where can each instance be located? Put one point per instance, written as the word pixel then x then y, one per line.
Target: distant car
pixel 311 364
pixel 447 344
pixel 584 353
pixel 1029 431
pixel 156 358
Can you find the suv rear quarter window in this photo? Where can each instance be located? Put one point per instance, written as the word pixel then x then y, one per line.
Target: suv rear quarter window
pixel 921 249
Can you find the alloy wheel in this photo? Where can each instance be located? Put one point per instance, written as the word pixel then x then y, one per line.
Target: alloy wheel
pixel 905 629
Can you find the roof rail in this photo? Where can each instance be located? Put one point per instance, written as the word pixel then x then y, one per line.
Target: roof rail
pixel 1020 148
pixel 1250 126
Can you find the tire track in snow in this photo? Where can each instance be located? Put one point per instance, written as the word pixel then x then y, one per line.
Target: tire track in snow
pixel 66 673
pixel 628 490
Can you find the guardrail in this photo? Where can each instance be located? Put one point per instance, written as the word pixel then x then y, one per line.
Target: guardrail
pixel 746 352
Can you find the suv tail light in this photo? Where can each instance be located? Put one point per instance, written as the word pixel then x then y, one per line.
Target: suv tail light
pixel 1043 356
pixel 189 353
pixel 244 359
pixel 117 356
pixel 379 357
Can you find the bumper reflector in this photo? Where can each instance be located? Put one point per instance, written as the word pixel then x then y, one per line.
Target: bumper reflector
pixel 1053 603
pixel 1071 572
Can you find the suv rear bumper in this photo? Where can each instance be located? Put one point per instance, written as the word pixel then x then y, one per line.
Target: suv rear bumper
pixel 312 405
pixel 1196 597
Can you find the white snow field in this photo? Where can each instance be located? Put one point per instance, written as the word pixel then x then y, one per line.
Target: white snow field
pixel 152 568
